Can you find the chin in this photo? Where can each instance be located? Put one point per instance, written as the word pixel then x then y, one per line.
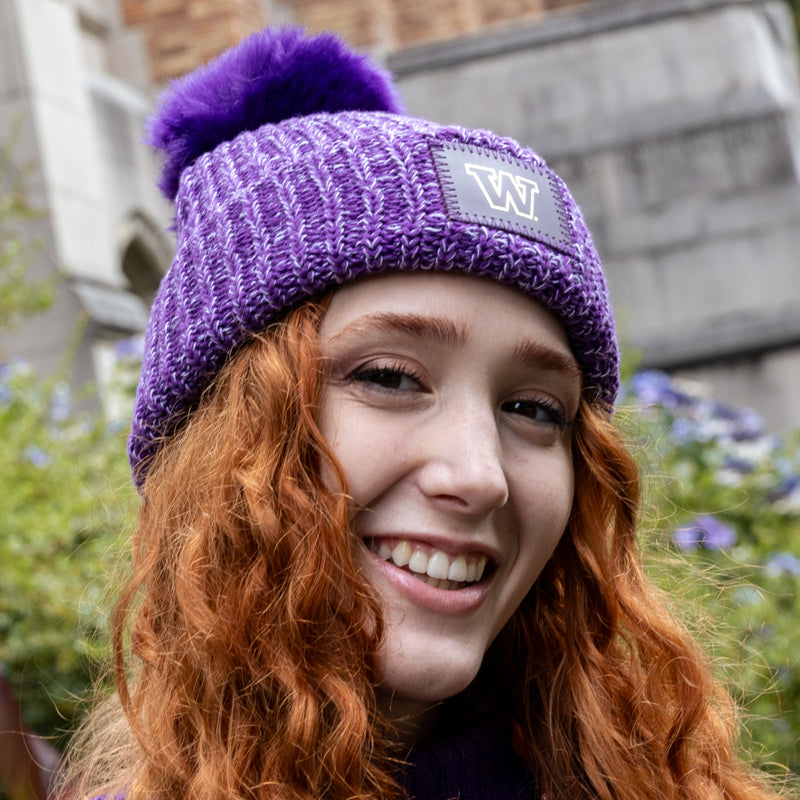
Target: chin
pixel 424 676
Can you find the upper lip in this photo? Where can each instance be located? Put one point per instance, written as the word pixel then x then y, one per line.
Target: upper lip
pixel 446 543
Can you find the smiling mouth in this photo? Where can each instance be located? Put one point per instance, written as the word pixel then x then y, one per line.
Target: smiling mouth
pixel 434 567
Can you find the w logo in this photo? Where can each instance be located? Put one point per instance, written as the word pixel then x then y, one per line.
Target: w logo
pixel 496 190
pixel 504 191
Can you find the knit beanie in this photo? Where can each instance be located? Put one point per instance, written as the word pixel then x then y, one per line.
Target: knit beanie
pixel 293 169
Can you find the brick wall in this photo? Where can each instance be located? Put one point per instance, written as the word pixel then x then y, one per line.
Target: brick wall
pixel 180 34
pixel 392 24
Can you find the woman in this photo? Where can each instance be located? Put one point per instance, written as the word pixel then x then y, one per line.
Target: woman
pixel 387 537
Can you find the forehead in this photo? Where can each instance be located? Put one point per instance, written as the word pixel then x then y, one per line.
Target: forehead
pixel 471 307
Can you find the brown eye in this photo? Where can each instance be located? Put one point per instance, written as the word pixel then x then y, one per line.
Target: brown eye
pixel 388 378
pixel 537 411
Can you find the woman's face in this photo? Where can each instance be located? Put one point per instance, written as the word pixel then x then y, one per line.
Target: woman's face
pixel 448 404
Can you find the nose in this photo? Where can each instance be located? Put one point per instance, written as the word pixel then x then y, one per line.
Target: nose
pixel 463 461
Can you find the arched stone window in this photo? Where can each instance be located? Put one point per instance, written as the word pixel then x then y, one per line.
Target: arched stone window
pixel 144 257
pixel 140 269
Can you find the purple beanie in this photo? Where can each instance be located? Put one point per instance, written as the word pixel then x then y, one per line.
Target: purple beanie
pixel 294 170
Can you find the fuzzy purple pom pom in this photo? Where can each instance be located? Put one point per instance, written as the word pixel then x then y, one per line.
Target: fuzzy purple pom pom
pixel 273 75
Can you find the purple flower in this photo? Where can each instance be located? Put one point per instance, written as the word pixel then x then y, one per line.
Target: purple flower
pixel 37 457
pixel 723 411
pixel 653 387
pixel 749 424
pixel 707 532
pixel 8 371
pixel 60 402
pixel 683 431
pixel 716 535
pixel 783 564
pixel 132 347
pixel 738 465
pixel 785 488
pixel 687 537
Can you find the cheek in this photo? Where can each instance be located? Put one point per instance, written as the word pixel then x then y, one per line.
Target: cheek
pixel 543 503
pixel 365 451
pixel 544 510
pixel 329 422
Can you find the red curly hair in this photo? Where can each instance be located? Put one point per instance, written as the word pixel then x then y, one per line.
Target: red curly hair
pixel 255 635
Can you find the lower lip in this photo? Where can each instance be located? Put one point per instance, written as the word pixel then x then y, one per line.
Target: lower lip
pixel 446 601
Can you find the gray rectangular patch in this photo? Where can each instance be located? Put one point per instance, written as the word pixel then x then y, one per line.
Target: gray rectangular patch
pixel 502 192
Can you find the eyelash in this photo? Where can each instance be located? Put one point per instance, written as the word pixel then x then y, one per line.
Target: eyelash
pixel 382 376
pixel 555 416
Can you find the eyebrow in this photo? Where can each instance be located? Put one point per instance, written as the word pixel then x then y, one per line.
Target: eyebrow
pixel 526 353
pixel 444 331
pixel 542 356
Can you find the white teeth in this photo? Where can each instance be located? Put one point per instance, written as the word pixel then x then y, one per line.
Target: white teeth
pixel 458 569
pixel 438 565
pixel 418 562
pixel 436 568
pixel 384 551
pixel 401 554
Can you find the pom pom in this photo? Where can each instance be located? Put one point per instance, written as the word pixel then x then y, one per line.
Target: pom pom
pixel 273 75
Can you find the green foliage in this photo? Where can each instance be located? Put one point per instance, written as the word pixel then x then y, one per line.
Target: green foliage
pixel 61 509
pixel 64 507
pixel 725 501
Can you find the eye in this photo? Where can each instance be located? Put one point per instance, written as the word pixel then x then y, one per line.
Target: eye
pixel 541 411
pixel 388 378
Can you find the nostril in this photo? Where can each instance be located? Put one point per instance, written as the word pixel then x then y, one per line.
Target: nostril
pixel 470 487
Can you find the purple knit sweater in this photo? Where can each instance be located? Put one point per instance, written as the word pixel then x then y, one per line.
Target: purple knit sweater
pixel 477 764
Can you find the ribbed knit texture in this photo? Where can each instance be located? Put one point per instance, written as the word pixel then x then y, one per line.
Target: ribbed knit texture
pixel 289 210
pixel 478 764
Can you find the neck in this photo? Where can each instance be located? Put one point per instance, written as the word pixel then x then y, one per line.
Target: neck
pixel 413 721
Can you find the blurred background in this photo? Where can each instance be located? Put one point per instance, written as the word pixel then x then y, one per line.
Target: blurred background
pixel 676 123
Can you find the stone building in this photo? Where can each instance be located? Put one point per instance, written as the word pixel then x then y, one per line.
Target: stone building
pixel 675 122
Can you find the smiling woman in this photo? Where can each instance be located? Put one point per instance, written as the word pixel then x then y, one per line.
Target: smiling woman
pixel 387 540
pixel 457 458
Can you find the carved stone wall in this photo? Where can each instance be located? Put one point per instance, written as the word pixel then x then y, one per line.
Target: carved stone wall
pixel 71 74
pixel 675 123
